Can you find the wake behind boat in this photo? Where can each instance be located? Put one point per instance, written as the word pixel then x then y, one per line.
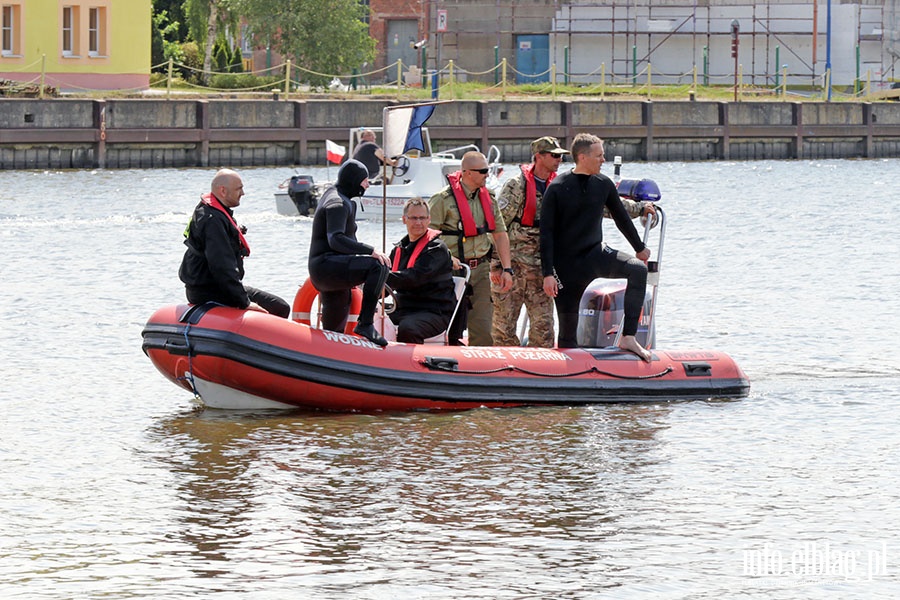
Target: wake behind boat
pixel 417 173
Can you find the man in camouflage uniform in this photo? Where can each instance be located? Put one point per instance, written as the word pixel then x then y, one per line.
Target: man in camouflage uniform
pixel 466 214
pixel 523 228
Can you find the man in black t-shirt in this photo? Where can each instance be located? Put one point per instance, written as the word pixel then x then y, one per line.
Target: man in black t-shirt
pixel 370 154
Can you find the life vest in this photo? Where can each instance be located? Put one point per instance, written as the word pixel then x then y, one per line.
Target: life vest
pixel 531 194
pixel 213 202
pixel 470 228
pixel 430 234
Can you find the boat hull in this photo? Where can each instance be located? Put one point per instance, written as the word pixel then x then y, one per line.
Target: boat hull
pixel 246 359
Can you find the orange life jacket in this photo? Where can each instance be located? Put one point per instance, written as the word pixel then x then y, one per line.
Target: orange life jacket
pixel 531 194
pixel 470 228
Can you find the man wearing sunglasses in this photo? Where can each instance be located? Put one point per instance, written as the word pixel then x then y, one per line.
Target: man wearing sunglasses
pixel 467 215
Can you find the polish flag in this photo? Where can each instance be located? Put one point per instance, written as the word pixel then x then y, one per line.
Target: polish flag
pixel 334 153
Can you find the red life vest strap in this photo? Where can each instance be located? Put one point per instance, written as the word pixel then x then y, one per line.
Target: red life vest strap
pixel 530 211
pixel 470 228
pixel 430 234
pixel 213 202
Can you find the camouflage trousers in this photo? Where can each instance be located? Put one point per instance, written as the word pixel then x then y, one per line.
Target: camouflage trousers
pixel 528 289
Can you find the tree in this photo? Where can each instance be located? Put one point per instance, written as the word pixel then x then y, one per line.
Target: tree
pixel 162 48
pixel 328 38
pixel 221 56
pixel 204 18
pixel 175 11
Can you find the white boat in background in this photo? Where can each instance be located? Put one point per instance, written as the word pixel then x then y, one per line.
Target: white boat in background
pixel 417 174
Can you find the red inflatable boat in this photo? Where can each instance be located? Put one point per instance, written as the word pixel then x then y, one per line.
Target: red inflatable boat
pixel 232 358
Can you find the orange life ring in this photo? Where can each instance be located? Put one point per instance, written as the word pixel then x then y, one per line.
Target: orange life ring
pixel 306 295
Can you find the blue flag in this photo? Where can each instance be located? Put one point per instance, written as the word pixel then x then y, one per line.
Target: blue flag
pixel 403 128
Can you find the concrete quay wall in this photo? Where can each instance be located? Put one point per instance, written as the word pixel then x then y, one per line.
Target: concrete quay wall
pixel 72 133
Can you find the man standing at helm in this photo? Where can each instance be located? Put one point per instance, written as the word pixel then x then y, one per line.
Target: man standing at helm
pixel 572 249
pixel 520 203
pixel 467 215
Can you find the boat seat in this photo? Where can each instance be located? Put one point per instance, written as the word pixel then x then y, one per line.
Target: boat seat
pixel 389 330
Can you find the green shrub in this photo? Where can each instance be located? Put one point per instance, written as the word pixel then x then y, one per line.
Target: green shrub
pixel 237 60
pixel 193 60
pixel 243 81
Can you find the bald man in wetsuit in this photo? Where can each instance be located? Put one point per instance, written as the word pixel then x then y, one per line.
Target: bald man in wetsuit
pixel 572 247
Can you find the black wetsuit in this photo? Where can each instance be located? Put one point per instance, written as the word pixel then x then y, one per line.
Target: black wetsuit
pixel 213 264
pixel 425 293
pixel 337 261
pixel 365 153
pixel 572 243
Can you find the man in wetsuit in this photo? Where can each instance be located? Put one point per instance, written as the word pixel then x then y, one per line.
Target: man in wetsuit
pixel 520 203
pixel 572 247
pixel 422 277
pixel 213 265
pixel 466 214
pixel 338 261
pixel 370 154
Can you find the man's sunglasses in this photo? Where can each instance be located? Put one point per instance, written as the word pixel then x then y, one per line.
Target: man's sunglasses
pixel 484 171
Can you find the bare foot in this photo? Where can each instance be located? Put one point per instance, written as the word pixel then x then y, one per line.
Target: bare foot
pixel 629 343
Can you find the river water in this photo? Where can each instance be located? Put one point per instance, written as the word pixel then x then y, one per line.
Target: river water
pixel 113 486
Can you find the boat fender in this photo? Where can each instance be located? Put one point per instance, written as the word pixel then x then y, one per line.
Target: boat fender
pixel 307 294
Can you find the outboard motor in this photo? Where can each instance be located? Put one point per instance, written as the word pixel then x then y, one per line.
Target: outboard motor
pixel 600 314
pixel 303 194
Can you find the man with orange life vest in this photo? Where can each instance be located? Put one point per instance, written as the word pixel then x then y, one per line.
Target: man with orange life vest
pixel 213 265
pixel 467 215
pixel 520 205
pixel 422 278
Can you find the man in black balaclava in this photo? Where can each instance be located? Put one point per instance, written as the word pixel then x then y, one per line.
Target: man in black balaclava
pixel 338 262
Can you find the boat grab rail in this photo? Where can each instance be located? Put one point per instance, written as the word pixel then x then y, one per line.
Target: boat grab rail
pixel 493 155
pixel 451 152
pixel 653 266
pixel 451 365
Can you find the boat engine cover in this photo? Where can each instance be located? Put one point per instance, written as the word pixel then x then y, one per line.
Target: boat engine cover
pixel 302 191
pixel 600 313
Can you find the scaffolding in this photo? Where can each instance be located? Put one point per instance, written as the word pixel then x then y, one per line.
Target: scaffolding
pixel 626 40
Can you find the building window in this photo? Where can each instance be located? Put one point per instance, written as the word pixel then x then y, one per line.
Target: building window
pixel 366 11
pixel 97 32
pixel 12 27
pixel 69 32
pixel 246 41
